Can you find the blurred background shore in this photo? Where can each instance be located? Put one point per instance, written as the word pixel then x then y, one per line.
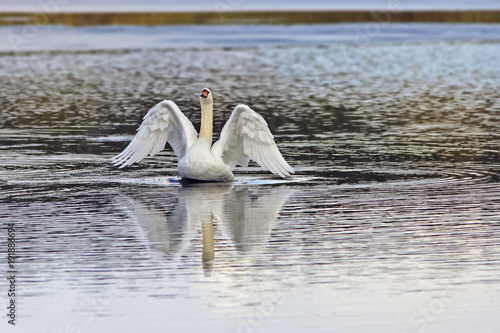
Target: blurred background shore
pixel 223 16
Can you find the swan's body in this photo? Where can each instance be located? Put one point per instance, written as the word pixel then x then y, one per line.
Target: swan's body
pixel 245 136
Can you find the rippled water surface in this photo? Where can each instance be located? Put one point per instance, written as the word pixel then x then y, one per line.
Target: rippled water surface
pixel 391 223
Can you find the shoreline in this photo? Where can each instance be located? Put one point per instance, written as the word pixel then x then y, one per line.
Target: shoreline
pixel 250 17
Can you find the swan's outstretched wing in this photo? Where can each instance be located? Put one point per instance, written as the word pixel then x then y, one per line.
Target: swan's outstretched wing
pixel 163 123
pixel 246 136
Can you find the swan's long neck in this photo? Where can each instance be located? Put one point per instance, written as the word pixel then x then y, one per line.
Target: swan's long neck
pixel 206 120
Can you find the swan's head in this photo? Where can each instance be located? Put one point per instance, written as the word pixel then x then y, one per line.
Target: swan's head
pixel 206 95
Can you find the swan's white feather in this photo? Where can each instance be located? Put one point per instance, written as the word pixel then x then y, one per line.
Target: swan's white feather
pixel 163 123
pixel 246 136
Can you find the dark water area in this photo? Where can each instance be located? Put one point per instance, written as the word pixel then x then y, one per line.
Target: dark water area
pixel 390 224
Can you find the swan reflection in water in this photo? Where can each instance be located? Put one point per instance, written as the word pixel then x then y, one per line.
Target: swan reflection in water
pixel 243 217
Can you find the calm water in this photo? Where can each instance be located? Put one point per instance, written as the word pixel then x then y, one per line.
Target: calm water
pixel 391 223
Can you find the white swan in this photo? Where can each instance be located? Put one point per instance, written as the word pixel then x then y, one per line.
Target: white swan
pixel 245 136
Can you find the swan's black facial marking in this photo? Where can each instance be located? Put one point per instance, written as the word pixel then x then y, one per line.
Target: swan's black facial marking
pixel 205 93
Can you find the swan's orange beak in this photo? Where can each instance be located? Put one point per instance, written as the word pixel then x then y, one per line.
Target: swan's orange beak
pixel 204 93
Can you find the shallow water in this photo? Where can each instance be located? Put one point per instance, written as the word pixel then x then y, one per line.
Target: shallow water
pixel 391 223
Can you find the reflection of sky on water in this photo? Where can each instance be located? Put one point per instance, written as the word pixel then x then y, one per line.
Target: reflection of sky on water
pixel 243 5
pixel 14 38
pixel 129 257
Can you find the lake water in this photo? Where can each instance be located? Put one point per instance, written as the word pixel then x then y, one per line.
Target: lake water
pixel 390 224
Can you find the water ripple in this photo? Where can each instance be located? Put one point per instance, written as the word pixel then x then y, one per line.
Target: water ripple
pixel 395 199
